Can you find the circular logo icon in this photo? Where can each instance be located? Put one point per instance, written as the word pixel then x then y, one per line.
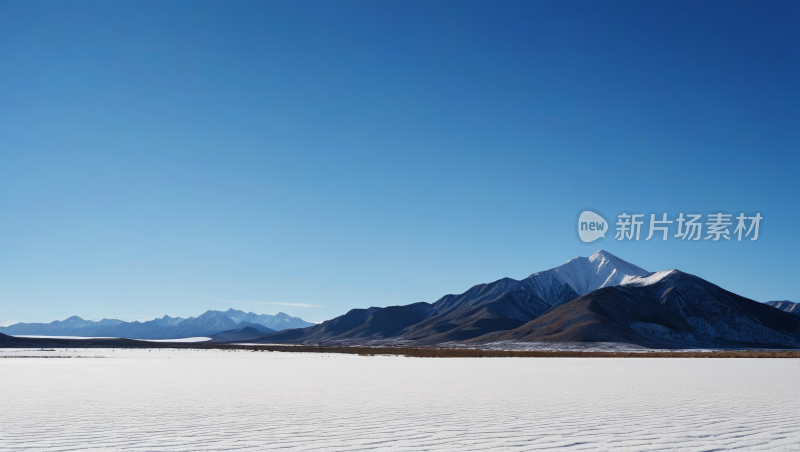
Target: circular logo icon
pixel 591 226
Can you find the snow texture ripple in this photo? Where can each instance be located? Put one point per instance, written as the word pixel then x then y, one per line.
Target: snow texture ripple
pixel 171 400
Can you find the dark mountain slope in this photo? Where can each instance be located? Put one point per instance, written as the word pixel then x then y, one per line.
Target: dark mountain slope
pixel 486 293
pixel 371 323
pixel 582 320
pixel 507 310
pixel 385 322
pixel 669 307
pixel 485 308
pixel 255 326
pixel 238 334
pixel 482 309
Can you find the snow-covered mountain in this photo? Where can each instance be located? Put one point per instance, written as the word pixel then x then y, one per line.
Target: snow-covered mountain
pixel 277 322
pixel 667 308
pixel 786 305
pixel 587 274
pixel 588 299
pixel 484 308
pixel 549 288
pixel 582 275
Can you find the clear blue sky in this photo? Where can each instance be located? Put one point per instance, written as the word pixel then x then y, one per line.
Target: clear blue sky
pixel 163 157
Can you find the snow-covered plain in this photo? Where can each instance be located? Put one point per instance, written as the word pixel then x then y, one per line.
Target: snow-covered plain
pixel 186 339
pixel 182 400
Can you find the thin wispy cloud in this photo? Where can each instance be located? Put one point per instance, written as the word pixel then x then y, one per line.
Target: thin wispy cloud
pixel 299 305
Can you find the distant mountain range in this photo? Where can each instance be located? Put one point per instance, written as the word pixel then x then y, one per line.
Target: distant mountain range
pixel 601 298
pixel 207 324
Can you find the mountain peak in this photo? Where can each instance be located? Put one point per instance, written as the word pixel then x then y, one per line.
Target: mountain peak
pixel 601 269
pixel 603 255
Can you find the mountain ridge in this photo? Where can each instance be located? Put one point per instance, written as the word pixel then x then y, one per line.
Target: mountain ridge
pixel 482 309
pixel 670 308
pixel 206 324
pixel 786 306
pixel 503 309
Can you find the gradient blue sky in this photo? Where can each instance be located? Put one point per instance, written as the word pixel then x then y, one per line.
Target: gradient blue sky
pixel 165 157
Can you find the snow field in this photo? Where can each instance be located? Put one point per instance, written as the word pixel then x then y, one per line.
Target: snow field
pixel 195 400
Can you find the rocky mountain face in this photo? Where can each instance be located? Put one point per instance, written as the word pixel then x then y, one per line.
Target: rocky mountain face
pixel 785 305
pixel 498 306
pixel 668 308
pixel 601 298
